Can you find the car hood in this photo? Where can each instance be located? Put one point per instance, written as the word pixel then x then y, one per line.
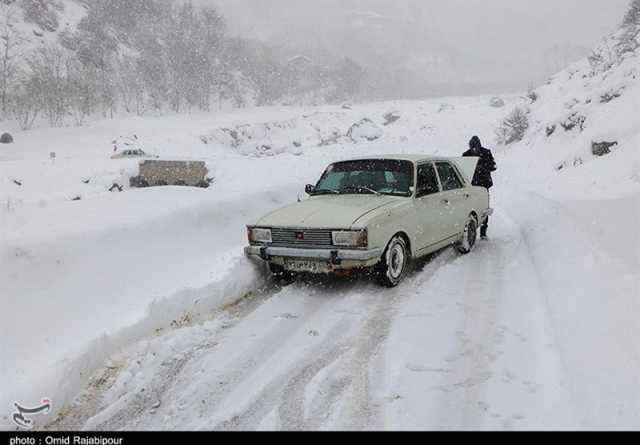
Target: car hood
pixel 327 211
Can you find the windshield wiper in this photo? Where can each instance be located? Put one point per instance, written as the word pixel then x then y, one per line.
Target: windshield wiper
pixel 361 189
pixel 326 192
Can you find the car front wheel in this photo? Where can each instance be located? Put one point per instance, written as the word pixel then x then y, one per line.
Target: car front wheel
pixel 470 236
pixel 394 262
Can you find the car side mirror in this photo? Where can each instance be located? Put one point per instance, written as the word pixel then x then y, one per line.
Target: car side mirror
pixel 309 189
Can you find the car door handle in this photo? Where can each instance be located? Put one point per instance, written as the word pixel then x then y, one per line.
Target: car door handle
pixel 446 202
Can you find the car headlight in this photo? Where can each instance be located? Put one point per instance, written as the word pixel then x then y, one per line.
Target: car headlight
pixel 259 235
pixel 350 238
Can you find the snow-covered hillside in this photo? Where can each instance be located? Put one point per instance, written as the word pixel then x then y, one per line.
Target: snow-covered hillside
pixel 137 309
pixel 38 22
pixel 584 132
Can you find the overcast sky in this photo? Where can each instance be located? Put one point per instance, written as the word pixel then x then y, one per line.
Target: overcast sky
pixel 460 46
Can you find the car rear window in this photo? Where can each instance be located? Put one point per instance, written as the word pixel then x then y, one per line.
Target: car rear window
pixel 448 177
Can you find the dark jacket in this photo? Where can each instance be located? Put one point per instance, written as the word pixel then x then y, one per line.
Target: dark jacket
pixel 486 165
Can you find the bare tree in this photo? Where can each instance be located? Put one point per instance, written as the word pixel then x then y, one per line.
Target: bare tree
pixel 48 78
pixel 11 42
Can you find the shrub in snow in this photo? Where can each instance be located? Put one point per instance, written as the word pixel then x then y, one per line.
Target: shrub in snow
pixel 6 138
pixel 602 148
pixel 391 117
pixel 603 58
pixel 532 95
pixel 513 127
pixel 330 139
pixel 497 102
pixel 446 107
pixel 573 121
pixel 551 130
pixel 365 129
pixel 610 95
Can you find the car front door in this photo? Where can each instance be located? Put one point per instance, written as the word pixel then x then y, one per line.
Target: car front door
pixel 428 224
pixel 454 200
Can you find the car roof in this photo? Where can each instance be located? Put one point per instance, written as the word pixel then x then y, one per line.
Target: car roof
pixel 415 158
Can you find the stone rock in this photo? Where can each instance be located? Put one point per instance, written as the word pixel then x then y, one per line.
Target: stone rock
pixel 602 148
pixel 6 138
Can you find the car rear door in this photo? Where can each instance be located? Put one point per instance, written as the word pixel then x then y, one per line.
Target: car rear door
pixel 454 200
pixel 429 228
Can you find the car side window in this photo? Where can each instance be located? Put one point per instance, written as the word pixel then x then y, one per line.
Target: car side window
pixel 427 181
pixel 448 177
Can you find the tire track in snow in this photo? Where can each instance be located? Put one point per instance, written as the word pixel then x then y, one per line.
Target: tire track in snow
pixel 87 411
pixel 504 322
pixel 360 317
pixel 353 360
pixel 289 386
pixel 477 336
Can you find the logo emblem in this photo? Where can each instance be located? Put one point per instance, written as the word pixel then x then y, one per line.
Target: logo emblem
pixel 22 415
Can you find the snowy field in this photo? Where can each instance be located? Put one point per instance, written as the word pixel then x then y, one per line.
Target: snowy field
pixel 137 310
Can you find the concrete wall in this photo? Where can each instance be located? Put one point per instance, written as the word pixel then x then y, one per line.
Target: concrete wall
pixel 173 172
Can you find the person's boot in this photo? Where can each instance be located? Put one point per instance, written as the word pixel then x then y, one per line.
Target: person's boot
pixel 483 233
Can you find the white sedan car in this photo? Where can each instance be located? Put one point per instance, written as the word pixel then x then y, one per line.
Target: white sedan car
pixel 375 214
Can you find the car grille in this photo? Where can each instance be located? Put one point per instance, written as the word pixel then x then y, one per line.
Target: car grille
pixel 301 238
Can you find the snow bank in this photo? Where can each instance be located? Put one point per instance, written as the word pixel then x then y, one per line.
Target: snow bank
pixel 117 269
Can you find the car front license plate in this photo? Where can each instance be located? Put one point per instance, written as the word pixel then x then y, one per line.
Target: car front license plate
pixel 306 266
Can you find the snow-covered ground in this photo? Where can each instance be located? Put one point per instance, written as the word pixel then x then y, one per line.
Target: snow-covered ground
pixel 137 310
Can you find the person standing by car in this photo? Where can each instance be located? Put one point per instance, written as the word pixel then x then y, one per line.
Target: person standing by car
pixel 482 177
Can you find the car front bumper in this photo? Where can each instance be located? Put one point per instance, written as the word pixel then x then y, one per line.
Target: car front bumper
pixel 333 259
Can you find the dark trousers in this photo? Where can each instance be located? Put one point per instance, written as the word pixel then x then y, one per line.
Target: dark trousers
pixel 484 228
pixel 485 225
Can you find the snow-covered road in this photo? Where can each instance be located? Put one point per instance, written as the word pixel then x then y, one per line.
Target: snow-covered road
pixel 148 292
pixel 465 343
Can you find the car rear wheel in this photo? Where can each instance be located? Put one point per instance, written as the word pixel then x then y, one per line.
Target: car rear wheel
pixel 470 236
pixel 394 262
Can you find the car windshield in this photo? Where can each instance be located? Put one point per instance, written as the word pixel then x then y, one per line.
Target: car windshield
pixel 384 177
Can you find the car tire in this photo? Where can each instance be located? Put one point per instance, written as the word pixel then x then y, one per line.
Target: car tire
pixel 394 263
pixel 281 275
pixel 470 236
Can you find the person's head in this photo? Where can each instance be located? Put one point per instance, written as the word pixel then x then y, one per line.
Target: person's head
pixel 475 143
